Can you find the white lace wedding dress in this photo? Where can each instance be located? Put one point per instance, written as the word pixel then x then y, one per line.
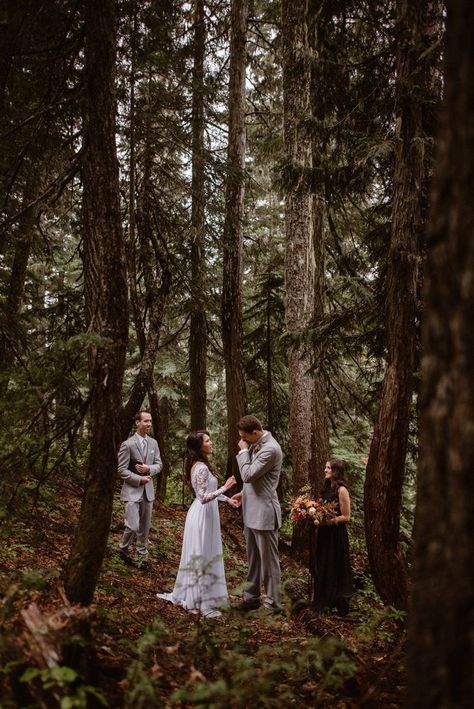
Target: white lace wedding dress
pixel 200 585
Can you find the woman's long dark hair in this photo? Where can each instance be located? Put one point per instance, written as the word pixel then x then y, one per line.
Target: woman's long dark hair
pixel 194 454
pixel 338 468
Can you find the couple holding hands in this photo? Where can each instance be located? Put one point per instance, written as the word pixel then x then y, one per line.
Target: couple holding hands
pixel 200 585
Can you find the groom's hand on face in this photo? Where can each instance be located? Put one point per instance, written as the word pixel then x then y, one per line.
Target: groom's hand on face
pixel 243 444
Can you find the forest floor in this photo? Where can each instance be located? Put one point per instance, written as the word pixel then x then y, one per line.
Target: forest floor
pixel 137 650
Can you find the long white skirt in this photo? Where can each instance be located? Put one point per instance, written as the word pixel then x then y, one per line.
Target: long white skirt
pixel 200 585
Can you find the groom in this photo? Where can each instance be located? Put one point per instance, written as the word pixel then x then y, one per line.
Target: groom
pixel 138 461
pixel 259 461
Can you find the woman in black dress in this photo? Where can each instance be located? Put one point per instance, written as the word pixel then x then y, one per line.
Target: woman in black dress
pixel 332 565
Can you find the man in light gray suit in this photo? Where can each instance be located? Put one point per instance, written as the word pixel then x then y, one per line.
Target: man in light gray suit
pixel 138 462
pixel 259 461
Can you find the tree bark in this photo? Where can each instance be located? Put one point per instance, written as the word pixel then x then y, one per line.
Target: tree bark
pixel 319 429
pixel 130 246
pixel 441 647
pixel 160 429
pixel 16 291
pixel 299 267
pixel 106 300
pixel 12 21
pixel 232 330
pixel 198 326
pixel 153 259
pixel 386 463
pixel 269 376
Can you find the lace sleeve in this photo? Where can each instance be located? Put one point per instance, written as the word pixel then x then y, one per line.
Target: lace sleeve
pixel 200 480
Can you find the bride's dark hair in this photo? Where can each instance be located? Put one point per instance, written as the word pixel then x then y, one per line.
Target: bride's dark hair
pixel 194 453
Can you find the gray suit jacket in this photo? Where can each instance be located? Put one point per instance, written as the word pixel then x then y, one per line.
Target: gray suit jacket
pixel 130 450
pixel 260 468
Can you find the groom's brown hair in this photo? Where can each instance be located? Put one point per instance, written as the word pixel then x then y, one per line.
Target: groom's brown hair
pixel 249 424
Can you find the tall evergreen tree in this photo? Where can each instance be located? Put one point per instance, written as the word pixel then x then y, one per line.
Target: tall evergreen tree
pixel 317 15
pixel 198 326
pixel 299 268
pixel 441 647
pixel 232 333
pixel 386 464
pixel 152 257
pixel 106 299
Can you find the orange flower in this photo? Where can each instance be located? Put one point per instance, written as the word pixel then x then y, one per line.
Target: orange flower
pixel 304 508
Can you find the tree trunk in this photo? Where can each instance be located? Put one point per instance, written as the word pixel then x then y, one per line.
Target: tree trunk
pixel 13 18
pixel 198 327
pixel 131 245
pixel 16 291
pixel 299 268
pixel 131 249
pixel 153 259
pixel 232 332
pixel 106 300
pixel 269 377
pixel 319 429
pixel 160 429
pixel 441 648
pixel 386 464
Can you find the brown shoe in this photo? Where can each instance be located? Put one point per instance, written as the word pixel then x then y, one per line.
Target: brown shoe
pixel 126 558
pixel 251 605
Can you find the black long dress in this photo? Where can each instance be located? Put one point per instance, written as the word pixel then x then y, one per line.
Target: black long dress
pixel 331 564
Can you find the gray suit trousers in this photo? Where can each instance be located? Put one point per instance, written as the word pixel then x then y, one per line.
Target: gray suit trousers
pixel 137 524
pixel 264 566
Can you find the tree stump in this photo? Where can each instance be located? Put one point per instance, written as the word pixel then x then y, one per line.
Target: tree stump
pixel 61 638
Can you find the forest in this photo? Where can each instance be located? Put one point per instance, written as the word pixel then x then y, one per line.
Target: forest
pixel 215 208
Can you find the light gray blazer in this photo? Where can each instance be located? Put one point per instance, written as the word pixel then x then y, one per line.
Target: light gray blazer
pixel 130 450
pixel 260 468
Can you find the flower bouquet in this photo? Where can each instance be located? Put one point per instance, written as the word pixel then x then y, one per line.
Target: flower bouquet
pixel 305 509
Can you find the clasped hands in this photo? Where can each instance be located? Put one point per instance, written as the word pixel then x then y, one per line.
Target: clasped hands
pixel 232 501
pixel 142 468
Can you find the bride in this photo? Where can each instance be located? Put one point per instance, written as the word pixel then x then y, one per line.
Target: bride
pixel 200 585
